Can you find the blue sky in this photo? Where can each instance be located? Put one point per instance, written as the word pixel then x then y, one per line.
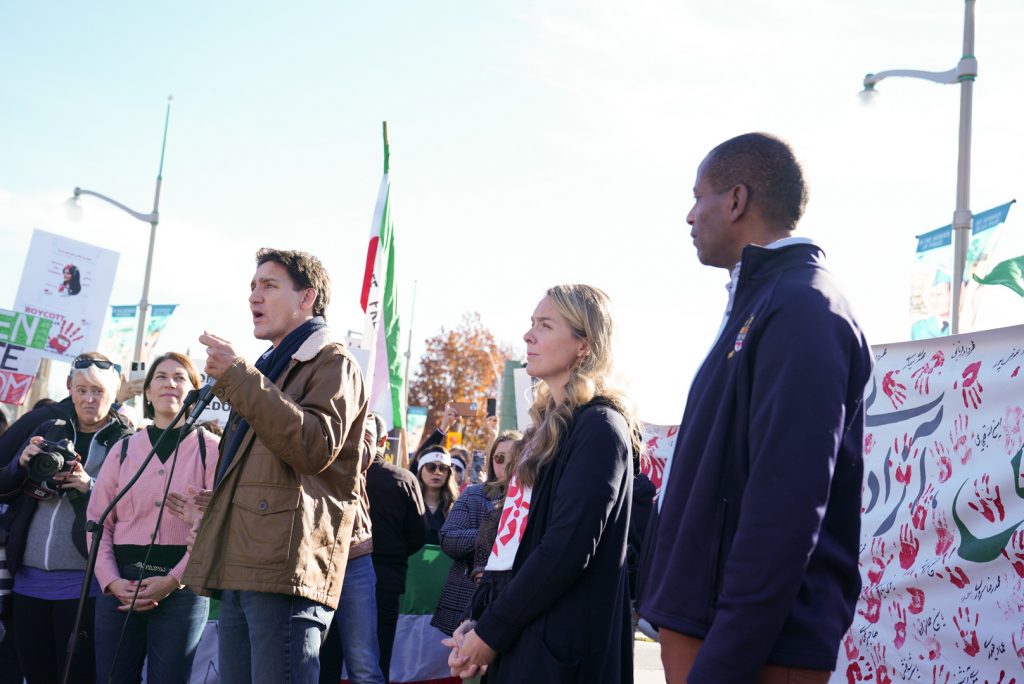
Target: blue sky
pixel 532 143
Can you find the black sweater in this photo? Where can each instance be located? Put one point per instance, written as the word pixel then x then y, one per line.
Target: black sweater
pixel 396 513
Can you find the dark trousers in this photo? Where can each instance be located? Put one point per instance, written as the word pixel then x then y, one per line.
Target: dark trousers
pixel 387 622
pixel 41 631
pixel 10 671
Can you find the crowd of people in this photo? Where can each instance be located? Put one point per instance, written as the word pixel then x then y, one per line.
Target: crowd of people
pixel 301 529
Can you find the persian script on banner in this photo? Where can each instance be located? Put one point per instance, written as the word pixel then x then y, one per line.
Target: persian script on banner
pixel 942 536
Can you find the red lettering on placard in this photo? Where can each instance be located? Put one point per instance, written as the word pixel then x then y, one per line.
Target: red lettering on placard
pixel 14 387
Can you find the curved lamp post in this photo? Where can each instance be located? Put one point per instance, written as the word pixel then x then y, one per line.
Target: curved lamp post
pixel 965 72
pixel 152 218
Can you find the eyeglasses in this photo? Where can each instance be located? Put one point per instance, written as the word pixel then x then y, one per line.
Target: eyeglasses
pixel 84 362
pixel 435 467
pixel 498 459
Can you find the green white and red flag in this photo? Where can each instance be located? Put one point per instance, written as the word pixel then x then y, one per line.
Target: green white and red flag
pixel 379 302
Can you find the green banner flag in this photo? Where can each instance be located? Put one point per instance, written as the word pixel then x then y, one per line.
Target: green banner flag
pixel 1009 273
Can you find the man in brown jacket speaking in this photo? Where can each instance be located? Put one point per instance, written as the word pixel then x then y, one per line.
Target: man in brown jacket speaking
pixel 274 539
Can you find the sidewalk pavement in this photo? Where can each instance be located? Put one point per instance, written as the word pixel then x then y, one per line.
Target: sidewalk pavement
pixel 647 663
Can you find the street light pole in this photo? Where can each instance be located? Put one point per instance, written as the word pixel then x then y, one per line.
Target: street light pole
pixel 965 73
pixel 153 219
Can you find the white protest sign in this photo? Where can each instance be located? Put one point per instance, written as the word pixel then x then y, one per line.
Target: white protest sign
pixel 69 283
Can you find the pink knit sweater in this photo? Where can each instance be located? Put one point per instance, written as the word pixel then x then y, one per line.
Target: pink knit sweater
pixel 133 519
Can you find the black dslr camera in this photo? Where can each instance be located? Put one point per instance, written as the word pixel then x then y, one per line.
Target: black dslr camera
pixel 55 457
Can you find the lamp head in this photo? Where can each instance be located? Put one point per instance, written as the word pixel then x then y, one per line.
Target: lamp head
pixel 73 208
pixel 869 93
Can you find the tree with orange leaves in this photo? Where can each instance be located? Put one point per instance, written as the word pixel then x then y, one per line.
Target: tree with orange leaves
pixel 461 364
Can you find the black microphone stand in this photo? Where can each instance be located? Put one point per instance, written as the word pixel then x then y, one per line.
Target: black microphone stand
pixel 96 529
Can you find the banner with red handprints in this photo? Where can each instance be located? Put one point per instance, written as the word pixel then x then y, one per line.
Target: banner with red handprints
pixel 67 282
pixel 659 443
pixel 942 528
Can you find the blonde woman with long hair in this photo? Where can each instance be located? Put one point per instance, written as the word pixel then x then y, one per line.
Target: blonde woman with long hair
pixel 562 615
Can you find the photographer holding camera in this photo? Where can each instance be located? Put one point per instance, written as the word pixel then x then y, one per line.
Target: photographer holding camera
pixel 48 487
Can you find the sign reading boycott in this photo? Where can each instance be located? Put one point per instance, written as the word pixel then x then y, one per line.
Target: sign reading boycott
pixel 22 340
pixel 942 528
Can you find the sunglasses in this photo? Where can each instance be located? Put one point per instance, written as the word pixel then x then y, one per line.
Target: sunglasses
pixel 498 459
pixel 434 467
pixel 81 363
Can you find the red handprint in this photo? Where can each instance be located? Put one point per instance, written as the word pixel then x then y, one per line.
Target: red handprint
pixel 896 391
pixel 869 443
pixel 855 674
pixel 916 600
pixel 67 335
pixel 909 546
pixel 1017 545
pixel 878 561
pixel 920 512
pixel 1011 426
pixel 971 389
pixel 962 621
pixel 873 605
pixel 958 577
pixel 922 374
pixel 850 646
pixel 1002 677
pixel 904 449
pixel 1018 649
pixel 958 438
pixel 944 466
pixel 945 538
pixel 881 669
pixel 937 672
pixel 903 474
pixel 984 494
pixel 932 648
pixel 652 466
pixel 900 624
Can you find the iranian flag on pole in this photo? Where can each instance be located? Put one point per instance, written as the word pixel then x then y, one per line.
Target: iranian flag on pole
pixel 379 302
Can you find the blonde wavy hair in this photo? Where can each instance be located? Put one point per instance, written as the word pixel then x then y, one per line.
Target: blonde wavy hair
pixel 586 309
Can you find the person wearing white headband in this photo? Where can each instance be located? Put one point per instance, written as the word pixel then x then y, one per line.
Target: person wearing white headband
pixel 439 487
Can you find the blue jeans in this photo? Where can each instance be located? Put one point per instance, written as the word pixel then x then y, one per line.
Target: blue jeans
pixel 353 637
pixel 167 636
pixel 270 638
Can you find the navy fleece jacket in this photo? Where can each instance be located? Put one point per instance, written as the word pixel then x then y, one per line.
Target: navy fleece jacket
pixel 757 544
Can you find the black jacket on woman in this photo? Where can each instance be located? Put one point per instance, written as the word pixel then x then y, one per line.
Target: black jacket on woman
pixel 564 614
pixel 23 507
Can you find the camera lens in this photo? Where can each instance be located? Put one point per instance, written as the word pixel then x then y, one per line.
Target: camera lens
pixel 44 465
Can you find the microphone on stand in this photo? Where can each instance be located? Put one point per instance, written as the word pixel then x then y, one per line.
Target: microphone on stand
pixel 203 400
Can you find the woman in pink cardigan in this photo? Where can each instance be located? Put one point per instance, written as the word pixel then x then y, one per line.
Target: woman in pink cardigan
pixel 167 619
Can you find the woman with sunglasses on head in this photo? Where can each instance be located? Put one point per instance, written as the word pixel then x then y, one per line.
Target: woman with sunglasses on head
pixel 563 614
pixel 46 542
pixel 459 532
pixel 167 619
pixel 439 488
